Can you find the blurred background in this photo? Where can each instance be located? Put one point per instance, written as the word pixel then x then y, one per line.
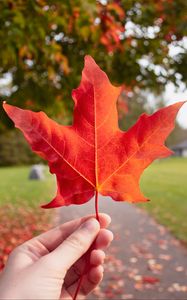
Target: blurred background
pixel 141 45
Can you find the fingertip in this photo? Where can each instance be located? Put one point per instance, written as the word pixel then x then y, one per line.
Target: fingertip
pixel 97 257
pixel 90 225
pixel 104 220
pixel 110 236
pixel 104 239
pixel 96 274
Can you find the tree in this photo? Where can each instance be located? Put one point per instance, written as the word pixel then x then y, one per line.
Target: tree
pixel 43 43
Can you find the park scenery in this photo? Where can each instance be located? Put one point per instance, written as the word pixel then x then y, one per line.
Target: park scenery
pixel 97 93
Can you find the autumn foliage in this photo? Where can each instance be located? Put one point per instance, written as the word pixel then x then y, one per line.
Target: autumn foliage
pixel 44 58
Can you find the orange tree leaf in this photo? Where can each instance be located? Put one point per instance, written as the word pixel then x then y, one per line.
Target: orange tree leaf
pixel 93 154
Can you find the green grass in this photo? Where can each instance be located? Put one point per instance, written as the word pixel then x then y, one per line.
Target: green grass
pixel 16 188
pixel 165 184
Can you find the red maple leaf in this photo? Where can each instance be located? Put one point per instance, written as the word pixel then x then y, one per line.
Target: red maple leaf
pixel 150 279
pixel 93 155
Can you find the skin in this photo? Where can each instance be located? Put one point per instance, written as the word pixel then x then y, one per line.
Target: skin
pixel 49 266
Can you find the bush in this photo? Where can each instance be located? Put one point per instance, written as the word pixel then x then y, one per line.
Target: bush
pixel 14 150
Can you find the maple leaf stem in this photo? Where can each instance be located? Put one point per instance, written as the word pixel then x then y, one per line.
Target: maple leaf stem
pixel 97 206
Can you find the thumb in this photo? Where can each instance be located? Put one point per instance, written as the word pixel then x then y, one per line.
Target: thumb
pixel 72 248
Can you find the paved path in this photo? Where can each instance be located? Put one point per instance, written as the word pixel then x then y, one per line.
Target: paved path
pixel 144 262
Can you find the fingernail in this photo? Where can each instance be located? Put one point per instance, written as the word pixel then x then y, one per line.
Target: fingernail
pixel 90 225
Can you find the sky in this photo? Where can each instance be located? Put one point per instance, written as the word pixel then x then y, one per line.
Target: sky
pixel 171 96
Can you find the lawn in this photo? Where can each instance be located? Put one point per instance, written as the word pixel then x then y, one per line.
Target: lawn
pixel 165 184
pixel 15 188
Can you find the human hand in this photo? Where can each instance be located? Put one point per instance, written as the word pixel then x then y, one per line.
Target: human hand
pixel 49 266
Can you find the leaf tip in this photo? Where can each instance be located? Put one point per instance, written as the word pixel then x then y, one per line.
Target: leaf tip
pixel 46 206
pixel 4 104
pixel 56 202
pixel 88 58
pixel 89 62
